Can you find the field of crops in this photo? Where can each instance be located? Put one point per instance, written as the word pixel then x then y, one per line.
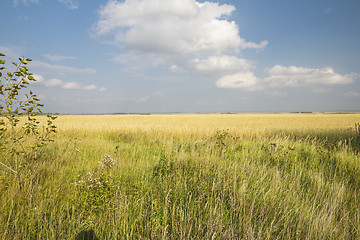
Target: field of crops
pixel 189 176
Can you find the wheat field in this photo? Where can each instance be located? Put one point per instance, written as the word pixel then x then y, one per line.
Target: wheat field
pixel 189 176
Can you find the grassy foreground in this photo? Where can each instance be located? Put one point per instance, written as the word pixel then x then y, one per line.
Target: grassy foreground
pixel 244 176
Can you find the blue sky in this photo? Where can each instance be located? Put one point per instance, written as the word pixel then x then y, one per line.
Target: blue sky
pixel 188 56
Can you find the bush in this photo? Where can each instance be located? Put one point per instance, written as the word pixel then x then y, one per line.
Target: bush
pixel 21 134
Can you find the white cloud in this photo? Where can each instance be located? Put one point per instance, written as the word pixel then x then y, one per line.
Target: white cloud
pixel 54 82
pixel 199 38
pixel 58 58
pixel 177 26
pixel 221 64
pixel 299 76
pixel 245 80
pixel 102 89
pixel 90 87
pixel 261 45
pixel 39 78
pixel 70 4
pixel 183 35
pixel 71 85
pixel 76 85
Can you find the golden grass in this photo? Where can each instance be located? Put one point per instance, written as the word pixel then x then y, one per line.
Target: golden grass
pixel 266 176
pixel 196 123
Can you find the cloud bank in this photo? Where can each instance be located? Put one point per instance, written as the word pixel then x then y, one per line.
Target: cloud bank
pixel 55 82
pixel 287 76
pixel 185 34
pixel 298 76
pixel 172 27
pixel 199 38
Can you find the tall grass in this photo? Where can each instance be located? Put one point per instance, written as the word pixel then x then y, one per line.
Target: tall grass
pixel 190 177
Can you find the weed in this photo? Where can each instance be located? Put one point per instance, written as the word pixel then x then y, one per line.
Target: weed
pixel 163 167
pixel 93 193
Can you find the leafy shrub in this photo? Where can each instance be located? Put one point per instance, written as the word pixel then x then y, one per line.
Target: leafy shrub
pixel 21 134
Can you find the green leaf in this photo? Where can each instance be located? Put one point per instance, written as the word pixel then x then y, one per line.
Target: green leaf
pixel 23 69
pixel 7 88
pixel 24 61
pixel 1 54
pixel 31 78
pixel 14 63
pixel 2 61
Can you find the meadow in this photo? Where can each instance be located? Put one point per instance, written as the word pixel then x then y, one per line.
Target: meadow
pixel 189 176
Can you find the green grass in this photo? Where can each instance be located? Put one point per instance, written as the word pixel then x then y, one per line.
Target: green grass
pixel 277 184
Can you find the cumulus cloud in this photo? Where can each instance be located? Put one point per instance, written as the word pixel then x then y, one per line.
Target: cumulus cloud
pixel 90 87
pixel 71 85
pixel 220 64
pixel 177 26
pixel 282 76
pixel 76 85
pixel 299 76
pixel 183 35
pixel 245 80
pixel 54 82
pixel 199 38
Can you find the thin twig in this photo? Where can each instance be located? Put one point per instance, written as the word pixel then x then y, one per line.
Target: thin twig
pixel 9 168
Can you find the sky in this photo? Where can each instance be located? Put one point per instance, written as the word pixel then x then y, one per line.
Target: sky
pixel 160 56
